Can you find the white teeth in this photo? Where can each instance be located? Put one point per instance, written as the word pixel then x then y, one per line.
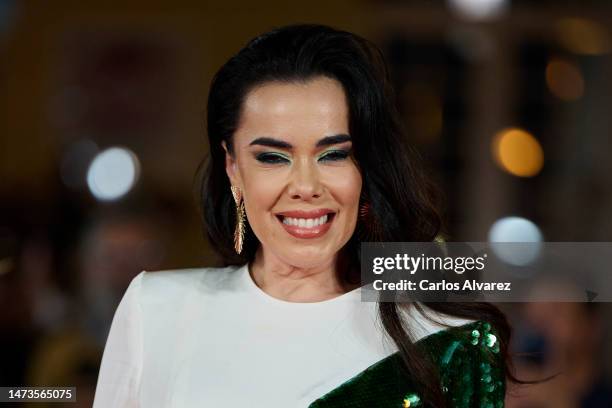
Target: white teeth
pixel 305 222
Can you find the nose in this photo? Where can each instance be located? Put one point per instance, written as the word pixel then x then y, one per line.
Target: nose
pixel 305 183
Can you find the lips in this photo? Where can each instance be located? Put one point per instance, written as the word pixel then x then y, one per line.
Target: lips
pixel 306 224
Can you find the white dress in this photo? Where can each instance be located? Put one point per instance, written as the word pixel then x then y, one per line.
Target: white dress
pixel 210 337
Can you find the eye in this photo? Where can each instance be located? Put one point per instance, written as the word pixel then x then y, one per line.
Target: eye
pixel 334 155
pixel 271 158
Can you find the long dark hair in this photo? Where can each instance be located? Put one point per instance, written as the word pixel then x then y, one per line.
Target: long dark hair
pixel 401 200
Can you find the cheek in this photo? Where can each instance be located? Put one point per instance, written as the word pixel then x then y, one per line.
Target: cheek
pixel 345 186
pixel 261 194
pixel 346 190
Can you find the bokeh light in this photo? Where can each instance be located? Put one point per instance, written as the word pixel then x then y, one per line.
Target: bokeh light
pixel 564 80
pixel 478 9
pixel 584 37
pixel 113 173
pixel 518 152
pixel 525 235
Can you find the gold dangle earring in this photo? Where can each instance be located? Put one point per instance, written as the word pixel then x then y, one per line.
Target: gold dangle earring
pixel 240 219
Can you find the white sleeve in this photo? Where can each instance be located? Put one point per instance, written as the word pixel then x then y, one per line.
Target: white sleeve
pixel 120 371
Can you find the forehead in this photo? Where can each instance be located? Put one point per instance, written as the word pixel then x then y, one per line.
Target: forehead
pixel 295 111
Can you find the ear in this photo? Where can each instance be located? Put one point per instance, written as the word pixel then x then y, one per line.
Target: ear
pixel 231 167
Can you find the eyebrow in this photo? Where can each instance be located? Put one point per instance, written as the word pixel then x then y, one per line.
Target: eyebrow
pixel 326 141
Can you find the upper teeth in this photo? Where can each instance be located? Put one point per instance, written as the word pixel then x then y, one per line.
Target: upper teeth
pixel 305 222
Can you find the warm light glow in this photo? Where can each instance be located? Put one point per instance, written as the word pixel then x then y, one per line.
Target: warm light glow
pixel 478 9
pixel 113 173
pixel 583 36
pixel 564 80
pixel 518 152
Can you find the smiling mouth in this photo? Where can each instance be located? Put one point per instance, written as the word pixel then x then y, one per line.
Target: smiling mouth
pixel 306 222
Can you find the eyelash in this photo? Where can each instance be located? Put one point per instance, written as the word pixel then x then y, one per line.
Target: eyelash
pixel 271 158
pixel 275 158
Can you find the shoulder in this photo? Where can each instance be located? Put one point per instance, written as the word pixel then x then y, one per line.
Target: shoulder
pixel 464 353
pixel 164 285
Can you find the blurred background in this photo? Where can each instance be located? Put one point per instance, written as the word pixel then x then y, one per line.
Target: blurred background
pixel 102 130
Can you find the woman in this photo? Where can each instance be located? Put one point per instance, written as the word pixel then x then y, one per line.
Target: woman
pixel 306 161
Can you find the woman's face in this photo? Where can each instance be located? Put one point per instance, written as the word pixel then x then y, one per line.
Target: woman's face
pixel 292 160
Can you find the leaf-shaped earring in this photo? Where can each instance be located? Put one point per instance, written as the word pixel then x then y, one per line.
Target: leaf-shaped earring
pixel 240 219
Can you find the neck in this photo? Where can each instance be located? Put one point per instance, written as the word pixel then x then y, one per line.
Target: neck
pixel 294 283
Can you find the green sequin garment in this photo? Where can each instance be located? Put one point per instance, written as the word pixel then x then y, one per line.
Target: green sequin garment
pixel 470 366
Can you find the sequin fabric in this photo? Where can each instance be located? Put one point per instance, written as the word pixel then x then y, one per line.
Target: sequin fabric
pixel 469 363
